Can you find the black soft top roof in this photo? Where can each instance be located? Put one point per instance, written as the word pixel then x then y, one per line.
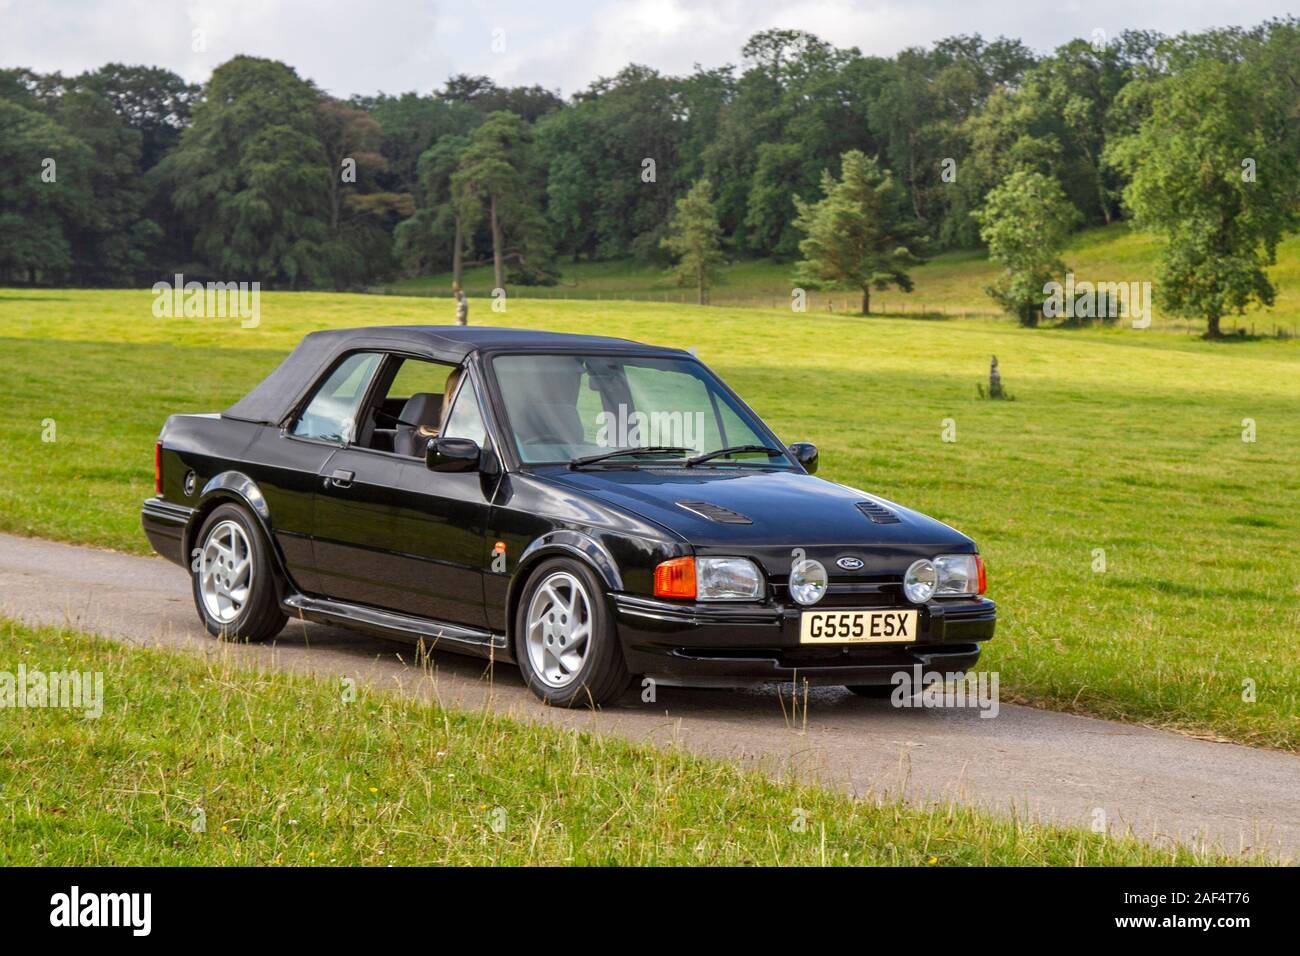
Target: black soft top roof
pixel 277 395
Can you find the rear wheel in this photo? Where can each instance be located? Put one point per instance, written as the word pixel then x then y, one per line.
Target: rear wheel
pixel 233 578
pixel 565 640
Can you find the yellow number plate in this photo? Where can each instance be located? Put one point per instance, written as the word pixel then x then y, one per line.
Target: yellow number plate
pixel 857 627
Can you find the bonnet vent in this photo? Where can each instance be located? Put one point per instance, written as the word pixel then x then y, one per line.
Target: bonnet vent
pixel 878 513
pixel 714 512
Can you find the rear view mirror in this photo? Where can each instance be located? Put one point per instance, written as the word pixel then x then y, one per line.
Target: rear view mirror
pixel 805 452
pixel 452 454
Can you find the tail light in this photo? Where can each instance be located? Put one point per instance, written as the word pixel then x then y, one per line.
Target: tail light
pixel 157 468
pixel 979 564
pixel 675 578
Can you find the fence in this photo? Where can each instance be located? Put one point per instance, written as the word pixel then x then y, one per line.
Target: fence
pixel 847 303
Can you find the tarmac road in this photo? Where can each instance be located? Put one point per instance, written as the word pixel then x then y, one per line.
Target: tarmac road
pixel 1038 764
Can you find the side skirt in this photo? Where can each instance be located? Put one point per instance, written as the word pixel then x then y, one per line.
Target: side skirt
pixel 403 627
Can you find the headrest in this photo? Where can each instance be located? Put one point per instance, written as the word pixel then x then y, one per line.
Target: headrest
pixel 422 408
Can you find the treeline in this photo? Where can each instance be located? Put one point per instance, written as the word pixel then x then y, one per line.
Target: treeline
pixel 126 174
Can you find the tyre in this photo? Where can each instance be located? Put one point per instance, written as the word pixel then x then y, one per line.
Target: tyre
pixel 565 641
pixel 233 578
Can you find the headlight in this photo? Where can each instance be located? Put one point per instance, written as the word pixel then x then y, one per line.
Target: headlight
pixel 727 579
pixel 709 579
pixel 959 574
pixel 919 581
pixel 808 582
pixel 948 575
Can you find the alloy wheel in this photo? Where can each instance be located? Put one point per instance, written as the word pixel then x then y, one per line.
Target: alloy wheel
pixel 225 571
pixel 559 628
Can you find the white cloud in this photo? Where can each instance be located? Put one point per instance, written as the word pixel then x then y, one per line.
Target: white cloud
pixel 350 46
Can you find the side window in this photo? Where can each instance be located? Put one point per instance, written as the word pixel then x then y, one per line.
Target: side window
pixel 416 376
pixel 331 413
pixel 466 419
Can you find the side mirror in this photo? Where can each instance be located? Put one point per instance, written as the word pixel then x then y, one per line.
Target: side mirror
pixel 805 452
pixel 452 454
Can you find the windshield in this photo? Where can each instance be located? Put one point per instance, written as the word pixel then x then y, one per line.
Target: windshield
pixel 566 407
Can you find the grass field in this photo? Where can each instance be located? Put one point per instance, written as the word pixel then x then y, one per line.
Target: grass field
pixel 194 761
pixel 1120 444
pixel 950 284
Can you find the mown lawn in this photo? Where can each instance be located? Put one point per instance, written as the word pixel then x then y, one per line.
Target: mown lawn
pixel 1120 445
pixel 950 284
pixel 195 761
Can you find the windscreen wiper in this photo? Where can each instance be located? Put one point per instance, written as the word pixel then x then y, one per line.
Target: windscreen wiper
pixel 733 450
pixel 622 452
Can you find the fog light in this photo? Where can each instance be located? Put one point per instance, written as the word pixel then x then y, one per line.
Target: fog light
pixel 807 582
pixel 920 581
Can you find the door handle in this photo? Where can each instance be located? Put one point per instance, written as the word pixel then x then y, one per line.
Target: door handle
pixel 340 478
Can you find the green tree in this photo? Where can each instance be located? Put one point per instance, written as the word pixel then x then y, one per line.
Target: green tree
pixel 436 232
pixel 361 215
pixel 73 210
pixel 778 180
pixel 411 124
pixel 34 212
pixel 1214 170
pixel 154 101
pixel 858 236
pixel 694 237
pixel 1025 221
pixel 251 174
pixel 565 143
pixel 112 239
pixel 529 103
pixel 494 180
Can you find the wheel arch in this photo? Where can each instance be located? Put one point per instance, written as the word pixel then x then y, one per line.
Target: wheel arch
pixel 234 487
pixel 563 543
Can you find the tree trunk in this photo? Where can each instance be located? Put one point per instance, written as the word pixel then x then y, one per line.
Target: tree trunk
pixel 1212 330
pixel 700 287
pixel 498 267
pixel 457 259
pixel 866 301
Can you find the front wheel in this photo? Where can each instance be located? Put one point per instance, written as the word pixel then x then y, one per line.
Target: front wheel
pixel 233 578
pixel 565 640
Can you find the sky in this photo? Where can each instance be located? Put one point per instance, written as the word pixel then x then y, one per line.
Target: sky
pixel 351 46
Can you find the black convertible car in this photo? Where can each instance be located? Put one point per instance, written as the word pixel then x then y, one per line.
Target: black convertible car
pixel 590 508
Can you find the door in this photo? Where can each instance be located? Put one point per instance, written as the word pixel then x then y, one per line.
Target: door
pixel 442 526
pixel 391 534
pixel 289 463
pixel 356 531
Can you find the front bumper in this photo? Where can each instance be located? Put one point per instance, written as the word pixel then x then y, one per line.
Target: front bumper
pixel 701 644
